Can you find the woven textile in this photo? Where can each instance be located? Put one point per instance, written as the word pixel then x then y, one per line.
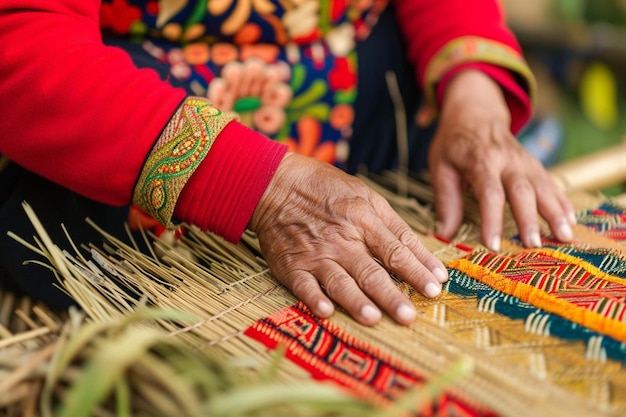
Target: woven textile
pixel 528 307
pixel 608 219
pixel 527 362
pixel 330 353
pixel 557 283
pixel 570 291
pixel 537 320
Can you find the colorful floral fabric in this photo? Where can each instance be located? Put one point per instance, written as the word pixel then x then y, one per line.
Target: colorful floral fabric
pixel 288 67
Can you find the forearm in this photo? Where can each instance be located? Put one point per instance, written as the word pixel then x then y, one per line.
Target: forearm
pixel 82 115
pixel 471 33
pixel 78 112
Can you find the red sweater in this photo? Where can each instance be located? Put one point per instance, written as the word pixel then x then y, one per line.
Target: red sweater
pixel 65 118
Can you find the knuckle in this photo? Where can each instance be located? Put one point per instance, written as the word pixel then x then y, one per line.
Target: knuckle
pixel 397 256
pixel 521 187
pixel 370 279
pixel 493 193
pixel 335 284
pixel 473 159
pixel 301 287
pixel 409 239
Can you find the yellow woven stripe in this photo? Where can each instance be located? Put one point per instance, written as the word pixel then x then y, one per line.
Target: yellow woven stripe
pixel 542 299
pixel 592 269
pixel 473 49
pixel 180 149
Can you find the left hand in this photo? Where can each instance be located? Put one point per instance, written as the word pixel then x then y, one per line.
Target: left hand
pixel 474 147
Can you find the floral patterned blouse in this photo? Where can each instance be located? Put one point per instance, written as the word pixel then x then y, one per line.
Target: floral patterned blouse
pixel 288 67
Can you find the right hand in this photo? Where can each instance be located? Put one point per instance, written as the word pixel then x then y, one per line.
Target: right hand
pixel 474 148
pixel 326 235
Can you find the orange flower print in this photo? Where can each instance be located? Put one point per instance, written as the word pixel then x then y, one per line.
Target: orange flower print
pixel 266 52
pixel 249 34
pixel 309 131
pixel 341 116
pixel 256 90
pixel 197 53
pixel 240 14
pixel 222 53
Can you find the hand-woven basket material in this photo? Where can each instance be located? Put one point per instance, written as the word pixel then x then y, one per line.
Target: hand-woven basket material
pixel 529 361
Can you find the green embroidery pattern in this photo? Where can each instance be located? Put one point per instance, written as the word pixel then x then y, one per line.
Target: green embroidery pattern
pixel 180 149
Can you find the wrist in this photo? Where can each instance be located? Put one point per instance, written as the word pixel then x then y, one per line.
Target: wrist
pixel 471 89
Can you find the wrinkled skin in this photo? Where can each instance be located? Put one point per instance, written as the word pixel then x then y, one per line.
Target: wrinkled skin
pixel 473 147
pixel 320 227
pixel 327 236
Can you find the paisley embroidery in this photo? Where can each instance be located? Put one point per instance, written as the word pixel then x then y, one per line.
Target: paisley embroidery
pixel 180 149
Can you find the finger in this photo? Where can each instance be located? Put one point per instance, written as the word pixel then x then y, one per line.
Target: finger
pixel 409 239
pixel 376 283
pixel 491 198
pixel 554 206
pixel 447 186
pixel 523 203
pixel 307 289
pixel 401 259
pixel 343 289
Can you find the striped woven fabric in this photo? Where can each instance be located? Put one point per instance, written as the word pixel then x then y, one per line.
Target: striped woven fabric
pixel 609 219
pixel 557 283
pixel 574 292
pixel 330 353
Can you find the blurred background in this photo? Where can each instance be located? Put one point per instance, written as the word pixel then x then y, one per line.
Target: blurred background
pixel 577 50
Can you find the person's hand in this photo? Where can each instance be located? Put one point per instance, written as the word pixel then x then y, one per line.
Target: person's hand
pixel 326 235
pixel 473 147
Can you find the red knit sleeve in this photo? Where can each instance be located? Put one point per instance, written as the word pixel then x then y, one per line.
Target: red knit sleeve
pixel 428 25
pixel 82 115
pixel 443 35
pixel 74 110
pixel 220 196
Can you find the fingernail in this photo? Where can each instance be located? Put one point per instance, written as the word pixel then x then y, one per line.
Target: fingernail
pixel 495 244
pixel 565 231
pixel 405 312
pixel 535 240
pixel 324 308
pixel 370 313
pixel 440 274
pixel 432 290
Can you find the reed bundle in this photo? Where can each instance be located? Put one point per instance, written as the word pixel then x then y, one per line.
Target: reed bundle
pixel 181 306
pixel 145 342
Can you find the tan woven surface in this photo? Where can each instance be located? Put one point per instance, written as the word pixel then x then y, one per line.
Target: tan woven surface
pixel 517 373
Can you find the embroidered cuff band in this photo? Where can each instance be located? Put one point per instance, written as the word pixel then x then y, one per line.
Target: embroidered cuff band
pixel 180 149
pixel 473 49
